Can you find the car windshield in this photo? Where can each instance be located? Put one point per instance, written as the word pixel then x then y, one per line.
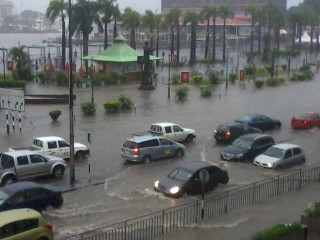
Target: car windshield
pixel 274 152
pixel 242 143
pixel 222 128
pixel 245 119
pixel 3 196
pixel 180 175
pixel 130 144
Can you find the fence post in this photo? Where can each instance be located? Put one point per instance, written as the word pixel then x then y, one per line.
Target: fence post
pixel 125 230
pixel 226 205
pixel 278 183
pixel 253 193
pixel 197 210
pixel 162 222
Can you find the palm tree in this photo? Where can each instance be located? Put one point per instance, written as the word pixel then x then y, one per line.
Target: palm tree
pixel 158 25
pixel 19 56
pixel 57 8
pixel 261 18
pixel 278 23
pixel 313 21
pixel 149 21
pixel 224 13
pixel 293 19
pixel 116 15
pixel 175 14
pixel 106 8
pixel 252 10
pixel 131 20
pixel 84 14
pixel 206 14
pixel 170 22
pixel 289 54
pixel 192 18
pixel 269 9
pixel 215 14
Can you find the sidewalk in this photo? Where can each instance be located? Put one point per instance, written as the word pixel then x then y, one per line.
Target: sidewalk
pixel 245 222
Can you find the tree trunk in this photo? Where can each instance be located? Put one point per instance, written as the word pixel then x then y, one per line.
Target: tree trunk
pixel 63 44
pixel 106 35
pixel 251 35
pixel 259 37
pixel 207 40
pixel 178 43
pixel 133 38
pixel 293 36
pixel 311 38
pixel 115 31
pixel 300 36
pixel 213 57
pixel 224 41
pixel 85 37
pixel 172 42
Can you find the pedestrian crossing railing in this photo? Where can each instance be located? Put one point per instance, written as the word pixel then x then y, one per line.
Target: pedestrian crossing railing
pixel 161 222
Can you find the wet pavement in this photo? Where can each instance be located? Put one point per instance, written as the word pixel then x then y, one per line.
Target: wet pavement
pixel 114 190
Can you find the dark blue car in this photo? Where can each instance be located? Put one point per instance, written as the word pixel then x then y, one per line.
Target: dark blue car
pixel 260 121
pixel 29 195
pixel 247 147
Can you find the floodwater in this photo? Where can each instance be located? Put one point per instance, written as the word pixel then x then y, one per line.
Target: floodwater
pixel 114 190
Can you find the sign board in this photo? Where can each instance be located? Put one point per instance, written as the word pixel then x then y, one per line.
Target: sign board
pixel 242 75
pixel 204 176
pixel 185 77
pixel 12 99
pixel 10 65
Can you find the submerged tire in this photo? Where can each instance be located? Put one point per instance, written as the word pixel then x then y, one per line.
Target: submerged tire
pixel 58 172
pixel 147 159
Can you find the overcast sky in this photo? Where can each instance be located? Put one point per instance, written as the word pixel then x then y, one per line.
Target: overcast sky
pixel 138 5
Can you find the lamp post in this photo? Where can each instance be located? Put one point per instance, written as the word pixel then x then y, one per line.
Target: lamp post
pixel 4 65
pixel 169 77
pixel 90 76
pixel 227 69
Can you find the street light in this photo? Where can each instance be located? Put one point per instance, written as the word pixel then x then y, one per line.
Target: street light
pixel 90 76
pixel 4 65
pixel 227 69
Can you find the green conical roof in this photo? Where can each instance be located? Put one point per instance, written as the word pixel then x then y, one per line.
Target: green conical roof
pixel 118 52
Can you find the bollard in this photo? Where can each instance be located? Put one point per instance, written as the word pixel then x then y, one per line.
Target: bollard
pixel 219 95
pixel 135 110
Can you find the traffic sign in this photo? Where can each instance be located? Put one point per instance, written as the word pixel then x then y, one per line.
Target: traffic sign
pixel 12 99
pixel 204 176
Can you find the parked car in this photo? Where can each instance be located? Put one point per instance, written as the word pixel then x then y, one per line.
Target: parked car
pixel 148 148
pixel 230 131
pixel 306 120
pixel 29 195
pixel 247 147
pixel 20 165
pixel 280 155
pixel 24 224
pixel 185 179
pixel 260 121
pixel 169 131
pixel 56 146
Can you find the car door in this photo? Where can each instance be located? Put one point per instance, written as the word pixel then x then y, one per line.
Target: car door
pixel 64 147
pixel 297 155
pixel 316 119
pixel 194 184
pixel 178 134
pixel 40 165
pixel 15 201
pixel 36 198
pixel 54 149
pixel 287 158
pixel 169 133
pixel 23 167
pixel 151 148
pixel 166 147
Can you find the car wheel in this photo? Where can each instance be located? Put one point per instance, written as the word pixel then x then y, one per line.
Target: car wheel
pixel 8 180
pixel 147 159
pixel 79 155
pixel 58 204
pixel 225 180
pixel 189 138
pixel 277 126
pixel 178 153
pixel 58 172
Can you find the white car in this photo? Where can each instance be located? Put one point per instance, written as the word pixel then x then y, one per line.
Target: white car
pixel 280 155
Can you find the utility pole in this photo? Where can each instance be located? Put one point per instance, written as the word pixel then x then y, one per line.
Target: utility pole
pixel 71 115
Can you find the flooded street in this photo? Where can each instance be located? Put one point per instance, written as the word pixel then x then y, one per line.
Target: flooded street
pixel 115 190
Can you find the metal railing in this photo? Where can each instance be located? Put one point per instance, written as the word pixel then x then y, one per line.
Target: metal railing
pixel 161 222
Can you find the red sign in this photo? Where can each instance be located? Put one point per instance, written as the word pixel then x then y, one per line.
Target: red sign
pixel 185 77
pixel 241 75
pixel 10 65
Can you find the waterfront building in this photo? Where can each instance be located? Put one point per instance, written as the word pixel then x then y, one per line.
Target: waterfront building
pixel 6 8
pixel 237 6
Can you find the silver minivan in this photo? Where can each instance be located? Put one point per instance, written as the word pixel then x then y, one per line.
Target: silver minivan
pixel 148 148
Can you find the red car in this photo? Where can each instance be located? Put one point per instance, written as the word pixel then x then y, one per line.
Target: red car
pixel 306 120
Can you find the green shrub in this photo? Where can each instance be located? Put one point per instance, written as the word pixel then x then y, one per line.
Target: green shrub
pixel 97 79
pixel 213 78
pixel 268 68
pixel 61 78
pixel 206 91
pixel 259 83
pixel 112 106
pixel 181 93
pixel 197 79
pixel 125 103
pixel 278 231
pixel 43 76
pixel 88 108
pixel 233 77
pixel 274 81
pixel 117 77
pixel 206 61
pixel 249 70
pixel 284 67
pixel 196 73
pixel 305 68
pixel 261 70
pixel 26 74
pixel 175 78
pixel 314 211
pixel 12 84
